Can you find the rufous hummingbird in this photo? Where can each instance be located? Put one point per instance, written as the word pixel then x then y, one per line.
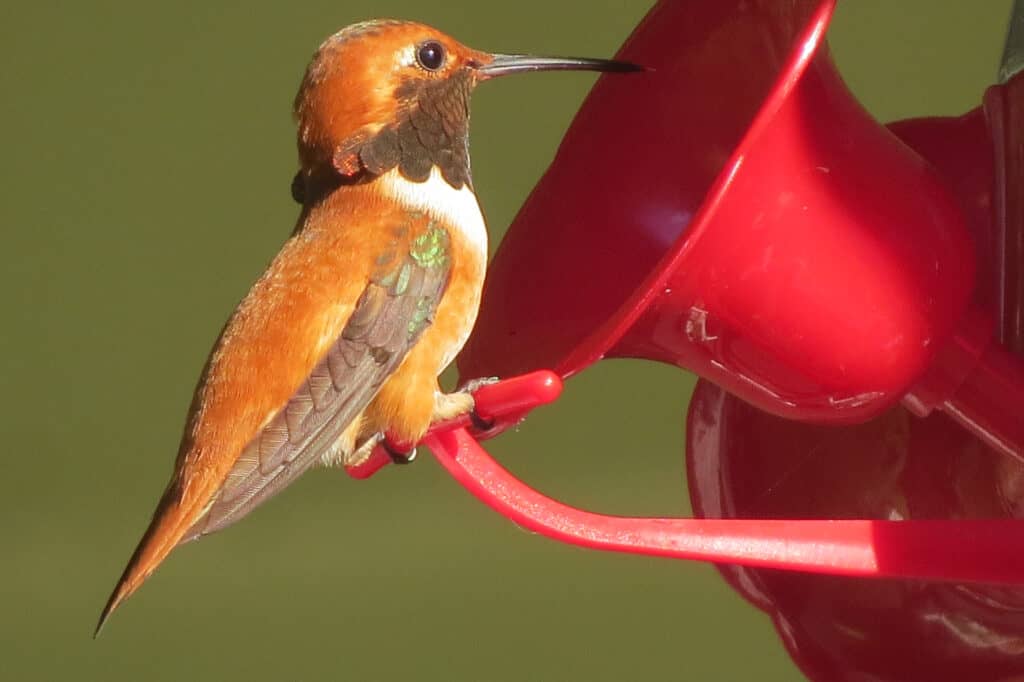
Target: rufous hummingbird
pixel 343 337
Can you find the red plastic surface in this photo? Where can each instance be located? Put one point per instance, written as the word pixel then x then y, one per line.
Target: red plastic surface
pixel 743 462
pixel 987 551
pixel 1004 107
pixel 766 233
pixel 756 225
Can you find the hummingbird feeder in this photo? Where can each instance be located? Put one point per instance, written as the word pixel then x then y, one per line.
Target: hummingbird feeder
pixel 734 211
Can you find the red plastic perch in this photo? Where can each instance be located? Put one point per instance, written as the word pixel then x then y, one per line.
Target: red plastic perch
pixel 950 550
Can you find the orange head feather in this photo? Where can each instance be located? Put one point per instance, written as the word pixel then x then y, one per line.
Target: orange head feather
pixel 364 77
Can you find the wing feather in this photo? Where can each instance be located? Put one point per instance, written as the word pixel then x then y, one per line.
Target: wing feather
pixel 373 343
pixel 259 417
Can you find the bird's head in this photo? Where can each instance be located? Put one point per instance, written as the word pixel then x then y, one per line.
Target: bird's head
pixel 383 94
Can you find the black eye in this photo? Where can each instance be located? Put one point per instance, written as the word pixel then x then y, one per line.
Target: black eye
pixel 430 55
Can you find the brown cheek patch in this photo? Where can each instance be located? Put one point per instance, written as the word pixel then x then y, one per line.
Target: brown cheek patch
pixel 381 153
pixel 432 130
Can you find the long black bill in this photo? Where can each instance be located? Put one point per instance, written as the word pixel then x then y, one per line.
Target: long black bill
pixel 505 64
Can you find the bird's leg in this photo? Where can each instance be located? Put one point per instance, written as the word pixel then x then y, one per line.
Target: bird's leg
pixel 448 406
pixel 365 449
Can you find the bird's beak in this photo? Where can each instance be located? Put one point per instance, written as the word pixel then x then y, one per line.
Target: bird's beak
pixel 504 64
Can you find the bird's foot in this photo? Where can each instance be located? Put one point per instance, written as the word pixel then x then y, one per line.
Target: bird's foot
pixel 472 386
pixel 363 453
pixel 448 406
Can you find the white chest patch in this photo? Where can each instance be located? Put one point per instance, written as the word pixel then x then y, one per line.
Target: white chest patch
pixel 435 197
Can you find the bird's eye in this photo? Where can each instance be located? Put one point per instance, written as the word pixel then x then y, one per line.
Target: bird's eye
pixel 430 55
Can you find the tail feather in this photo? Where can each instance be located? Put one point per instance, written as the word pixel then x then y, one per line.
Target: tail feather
pixel 170 523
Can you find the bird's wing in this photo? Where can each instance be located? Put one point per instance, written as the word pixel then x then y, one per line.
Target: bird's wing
pixel 288 409
pixel 390 316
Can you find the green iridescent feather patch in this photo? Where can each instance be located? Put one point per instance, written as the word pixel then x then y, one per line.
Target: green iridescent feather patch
pixel 431 249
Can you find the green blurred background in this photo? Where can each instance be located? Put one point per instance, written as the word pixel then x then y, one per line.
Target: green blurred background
pixel 147 154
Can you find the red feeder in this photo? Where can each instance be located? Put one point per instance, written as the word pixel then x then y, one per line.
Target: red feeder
pixel 737 213
pixel 743 462
pixel 734 211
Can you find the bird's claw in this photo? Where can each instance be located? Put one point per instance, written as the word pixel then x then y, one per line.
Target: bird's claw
pixel 479 423
pixel 397 456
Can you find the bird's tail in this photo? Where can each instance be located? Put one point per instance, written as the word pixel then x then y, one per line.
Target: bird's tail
pixel 170 523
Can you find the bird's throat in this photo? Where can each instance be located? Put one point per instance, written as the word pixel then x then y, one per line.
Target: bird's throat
pixel 457 209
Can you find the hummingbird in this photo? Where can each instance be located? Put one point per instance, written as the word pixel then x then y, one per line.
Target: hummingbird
pixel 342 339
